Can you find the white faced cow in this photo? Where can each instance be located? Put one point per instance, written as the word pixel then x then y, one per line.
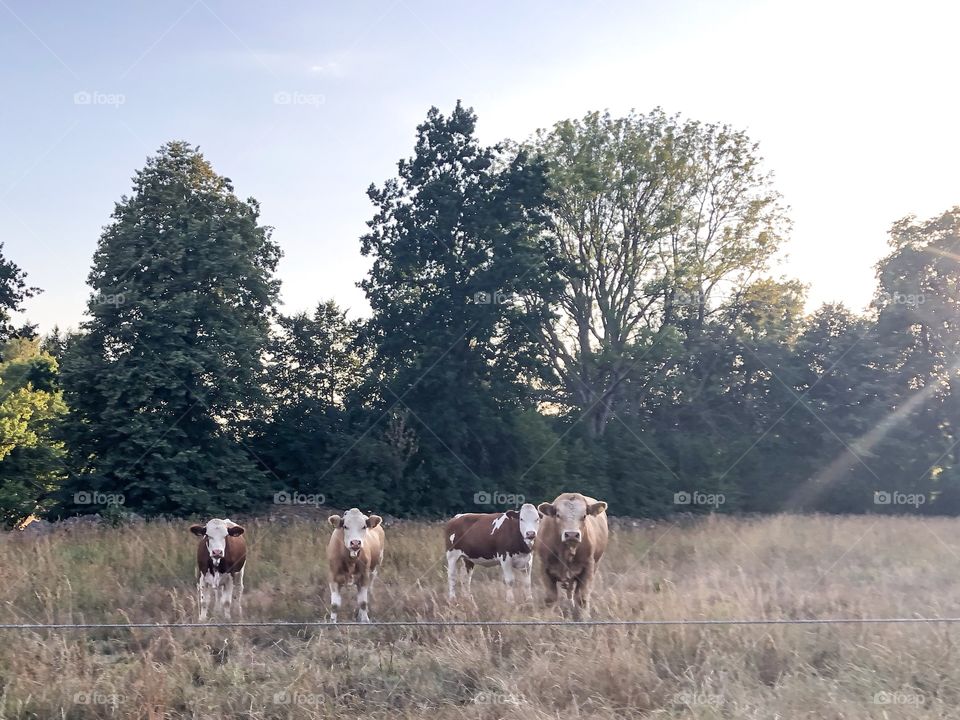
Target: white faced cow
pixel 488 539
pixel 573 537
pixel 221 556
pixel 354 555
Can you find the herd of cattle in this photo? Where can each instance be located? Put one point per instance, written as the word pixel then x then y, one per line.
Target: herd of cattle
pixel 569 535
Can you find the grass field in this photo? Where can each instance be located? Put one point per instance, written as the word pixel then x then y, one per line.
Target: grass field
pixel 778 567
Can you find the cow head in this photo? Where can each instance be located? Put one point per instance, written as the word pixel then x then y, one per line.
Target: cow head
pixel 571 512
pixel 215 534
pixel 529 518
pixel 354 525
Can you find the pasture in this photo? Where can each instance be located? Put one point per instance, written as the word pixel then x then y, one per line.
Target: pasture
pixel 774 567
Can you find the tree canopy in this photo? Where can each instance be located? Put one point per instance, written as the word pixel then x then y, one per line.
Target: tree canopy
pixel 595 308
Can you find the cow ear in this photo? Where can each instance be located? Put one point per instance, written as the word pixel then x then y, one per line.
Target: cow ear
pixel 547 509
pixel 373 521
pixel 235 530
pixel 512 514
pixel 335 520
pixel 199 530
pixel 597 508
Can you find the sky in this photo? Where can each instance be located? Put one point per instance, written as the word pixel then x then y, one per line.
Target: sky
pixel 304 105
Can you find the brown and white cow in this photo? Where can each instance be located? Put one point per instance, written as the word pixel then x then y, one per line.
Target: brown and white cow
pixel 221 556
pixel 487 539
pixel 354 554
pixel 573 538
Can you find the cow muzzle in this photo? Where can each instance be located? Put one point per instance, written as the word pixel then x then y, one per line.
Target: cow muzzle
pixel 216 554
pixel 572 537
pixel 530 536
pixel 354 547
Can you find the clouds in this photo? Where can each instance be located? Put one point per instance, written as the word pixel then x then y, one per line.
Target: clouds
pixel 331 68
pixel 281 64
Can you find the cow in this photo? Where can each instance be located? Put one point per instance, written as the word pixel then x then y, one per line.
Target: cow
pixel 487 539
pixel 573 538
pixel 221 557
pixel 354 554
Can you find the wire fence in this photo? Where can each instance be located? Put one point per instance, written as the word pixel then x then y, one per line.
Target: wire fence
pixel 475 623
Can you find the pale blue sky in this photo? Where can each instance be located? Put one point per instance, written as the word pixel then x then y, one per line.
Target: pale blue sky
pixel 854 105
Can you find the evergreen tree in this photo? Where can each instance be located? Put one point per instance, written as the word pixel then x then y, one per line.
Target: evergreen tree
pixel 168 370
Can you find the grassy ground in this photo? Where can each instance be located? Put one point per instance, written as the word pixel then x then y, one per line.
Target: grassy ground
pixel 780 567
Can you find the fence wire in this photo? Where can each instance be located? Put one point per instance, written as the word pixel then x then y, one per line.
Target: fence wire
pixel 475 623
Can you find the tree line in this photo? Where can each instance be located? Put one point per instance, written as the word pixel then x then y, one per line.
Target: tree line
pixel 593 308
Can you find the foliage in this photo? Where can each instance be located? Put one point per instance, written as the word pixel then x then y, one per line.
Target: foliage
pixel 168 371
pixel 31 408
pixel 594 310
pixel 660 225
pixel 456 246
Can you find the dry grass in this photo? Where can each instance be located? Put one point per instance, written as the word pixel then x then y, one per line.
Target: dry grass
pixel 779 567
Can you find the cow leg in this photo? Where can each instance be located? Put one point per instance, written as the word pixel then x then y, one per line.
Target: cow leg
pixel 581 601
pixel 526 574
pixel 507 565
pixel 207 595
pixel 240 593
pixel 581 595
pixel 468 568
pixel 550 584
pixel 453 558
pixel 226 594
pixel 334 600
pixel 363 601
pixel 201 600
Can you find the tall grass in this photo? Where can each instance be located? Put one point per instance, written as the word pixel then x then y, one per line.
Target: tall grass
pixel 778 567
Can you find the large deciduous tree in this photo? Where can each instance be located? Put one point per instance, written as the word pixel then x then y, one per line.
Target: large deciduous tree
pixel 918 330
pixel 169 368
pixel 661 225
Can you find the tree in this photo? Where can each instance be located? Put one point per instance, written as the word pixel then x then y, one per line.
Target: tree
pixel 13 291
pixel 316 368
pixel 918 329
pixel 456 240
pixel 31 408
pixel 660 224
pixel 316 358
pixel 168 370
pixel 55 342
